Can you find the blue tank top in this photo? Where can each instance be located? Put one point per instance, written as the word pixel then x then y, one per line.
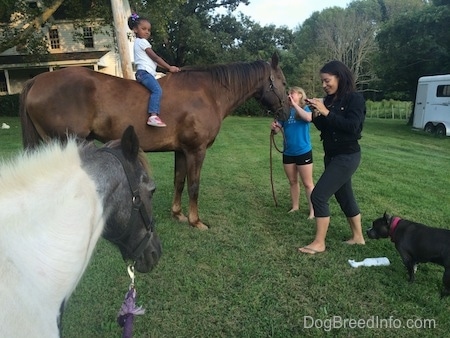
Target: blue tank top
pixel 296 134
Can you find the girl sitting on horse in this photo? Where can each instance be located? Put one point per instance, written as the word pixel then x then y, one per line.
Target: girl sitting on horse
pixel 146 61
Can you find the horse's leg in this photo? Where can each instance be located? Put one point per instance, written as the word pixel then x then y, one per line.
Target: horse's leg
pixel 194 162
pixel 180 172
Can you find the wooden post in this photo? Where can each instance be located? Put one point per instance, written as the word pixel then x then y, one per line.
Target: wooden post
pixel 121 11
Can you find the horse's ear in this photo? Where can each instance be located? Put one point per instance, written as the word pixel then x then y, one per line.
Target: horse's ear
pixel 275 60
pixel 130 144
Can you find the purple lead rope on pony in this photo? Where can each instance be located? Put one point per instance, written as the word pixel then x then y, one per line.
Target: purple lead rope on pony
pixel 127 312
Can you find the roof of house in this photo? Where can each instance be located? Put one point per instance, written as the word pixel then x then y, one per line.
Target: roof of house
pixel 45 58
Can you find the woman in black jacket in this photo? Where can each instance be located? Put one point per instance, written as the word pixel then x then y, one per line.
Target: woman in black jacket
pixel 339 117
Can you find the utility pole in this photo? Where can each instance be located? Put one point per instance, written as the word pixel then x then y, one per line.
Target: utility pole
pixel 121 11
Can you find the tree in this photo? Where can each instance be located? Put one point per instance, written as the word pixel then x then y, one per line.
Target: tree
pixel 192 34
pixel 259 42
pixel 326 36
pixel 24 24
pixel 353 47
pixel 309 75
pixel 380 11
pixel 24 20
pixel 412 46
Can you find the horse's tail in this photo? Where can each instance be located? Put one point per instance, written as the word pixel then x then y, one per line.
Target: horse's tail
pixel 30 135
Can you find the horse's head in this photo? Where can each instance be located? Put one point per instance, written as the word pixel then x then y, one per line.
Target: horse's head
pixel 127 195
pixel 274 92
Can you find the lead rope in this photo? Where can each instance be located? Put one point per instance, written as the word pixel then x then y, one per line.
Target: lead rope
pixel 273 144
pixel 128 309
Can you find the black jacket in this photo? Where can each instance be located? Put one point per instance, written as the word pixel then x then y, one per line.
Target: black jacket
pixel 341 128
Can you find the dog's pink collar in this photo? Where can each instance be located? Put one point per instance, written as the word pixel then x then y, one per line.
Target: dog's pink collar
pixel 393 226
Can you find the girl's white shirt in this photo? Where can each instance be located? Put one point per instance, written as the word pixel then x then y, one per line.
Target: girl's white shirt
pixel 141 59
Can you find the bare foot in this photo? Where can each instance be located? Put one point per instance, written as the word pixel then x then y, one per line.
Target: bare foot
pixel 292 210
pixel 312 249
pixel 353 241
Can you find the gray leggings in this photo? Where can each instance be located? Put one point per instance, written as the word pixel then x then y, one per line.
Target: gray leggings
pixel 336 179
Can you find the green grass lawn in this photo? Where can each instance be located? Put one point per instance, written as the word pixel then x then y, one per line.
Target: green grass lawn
pixel 244 278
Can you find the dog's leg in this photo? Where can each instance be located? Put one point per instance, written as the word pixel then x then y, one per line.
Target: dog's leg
pixel 409 263
pixel 411 272
pixel 446 281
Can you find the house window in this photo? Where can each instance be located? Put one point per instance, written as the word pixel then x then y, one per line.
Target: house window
pixel 54 38
pixel 88 37
pixel 443 91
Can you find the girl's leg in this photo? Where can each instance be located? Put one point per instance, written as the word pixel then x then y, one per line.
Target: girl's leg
pixel 156 93
pixel 291 173
pixel 153 86
pixel 154 105
pixel 306 174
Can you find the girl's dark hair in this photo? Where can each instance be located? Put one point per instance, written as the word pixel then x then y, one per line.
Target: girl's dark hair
pixel 134 20
pixel 345 76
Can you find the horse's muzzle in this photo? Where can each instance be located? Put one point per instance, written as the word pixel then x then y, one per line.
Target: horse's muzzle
pixel 151 255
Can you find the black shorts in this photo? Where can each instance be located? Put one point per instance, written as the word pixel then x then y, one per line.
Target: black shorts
pixel 303 159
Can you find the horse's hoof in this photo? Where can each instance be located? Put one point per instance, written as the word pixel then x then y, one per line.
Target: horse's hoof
pixel 179 217
pixel 200 226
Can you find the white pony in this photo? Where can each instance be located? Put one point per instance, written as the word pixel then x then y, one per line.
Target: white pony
pixel 54 204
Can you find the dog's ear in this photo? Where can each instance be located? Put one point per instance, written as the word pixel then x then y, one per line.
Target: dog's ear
pixel 387 217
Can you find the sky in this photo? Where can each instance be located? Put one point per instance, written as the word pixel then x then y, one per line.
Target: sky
pixel 289 13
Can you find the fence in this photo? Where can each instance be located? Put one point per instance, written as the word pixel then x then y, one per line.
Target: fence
pixel 400 110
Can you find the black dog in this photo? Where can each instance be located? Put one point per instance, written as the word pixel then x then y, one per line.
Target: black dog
pixel 416 243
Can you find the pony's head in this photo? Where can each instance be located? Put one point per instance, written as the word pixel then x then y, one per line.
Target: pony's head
pixel 127 189
pixel 274 95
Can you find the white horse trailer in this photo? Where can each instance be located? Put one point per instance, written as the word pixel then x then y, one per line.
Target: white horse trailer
pixel 432 106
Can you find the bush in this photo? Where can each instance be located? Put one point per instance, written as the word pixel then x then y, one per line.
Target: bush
pixel 251 108
pixel 9 105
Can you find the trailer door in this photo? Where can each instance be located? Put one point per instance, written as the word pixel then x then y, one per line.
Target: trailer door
pixel 420 106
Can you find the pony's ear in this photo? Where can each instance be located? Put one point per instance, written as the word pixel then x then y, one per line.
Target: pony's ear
pixel 130 144
pixel 275 60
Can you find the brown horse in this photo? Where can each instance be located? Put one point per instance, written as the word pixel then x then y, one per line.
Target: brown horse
pixel 195 102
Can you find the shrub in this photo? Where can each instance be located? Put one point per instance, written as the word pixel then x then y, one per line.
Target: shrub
pixel 9 105
pixel 250 108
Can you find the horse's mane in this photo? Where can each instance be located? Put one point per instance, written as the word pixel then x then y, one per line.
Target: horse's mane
pixel 23 169
pixel 237 76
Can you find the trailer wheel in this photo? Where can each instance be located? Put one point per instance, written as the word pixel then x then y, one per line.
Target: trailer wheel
pixel 440 130
pixel 429 128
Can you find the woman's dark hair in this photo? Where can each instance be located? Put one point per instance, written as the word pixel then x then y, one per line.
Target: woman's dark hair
pixel 345 76
pixel 134 20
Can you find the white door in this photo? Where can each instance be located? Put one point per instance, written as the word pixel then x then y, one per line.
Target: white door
pixel 419 107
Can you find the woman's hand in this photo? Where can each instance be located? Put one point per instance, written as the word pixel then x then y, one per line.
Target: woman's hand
pixel 275 126
pixel 292 102
pixel 318 106
pixel 290 99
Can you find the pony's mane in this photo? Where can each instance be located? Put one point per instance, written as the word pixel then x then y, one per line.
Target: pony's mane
pixel 21 170
pixel 238 76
